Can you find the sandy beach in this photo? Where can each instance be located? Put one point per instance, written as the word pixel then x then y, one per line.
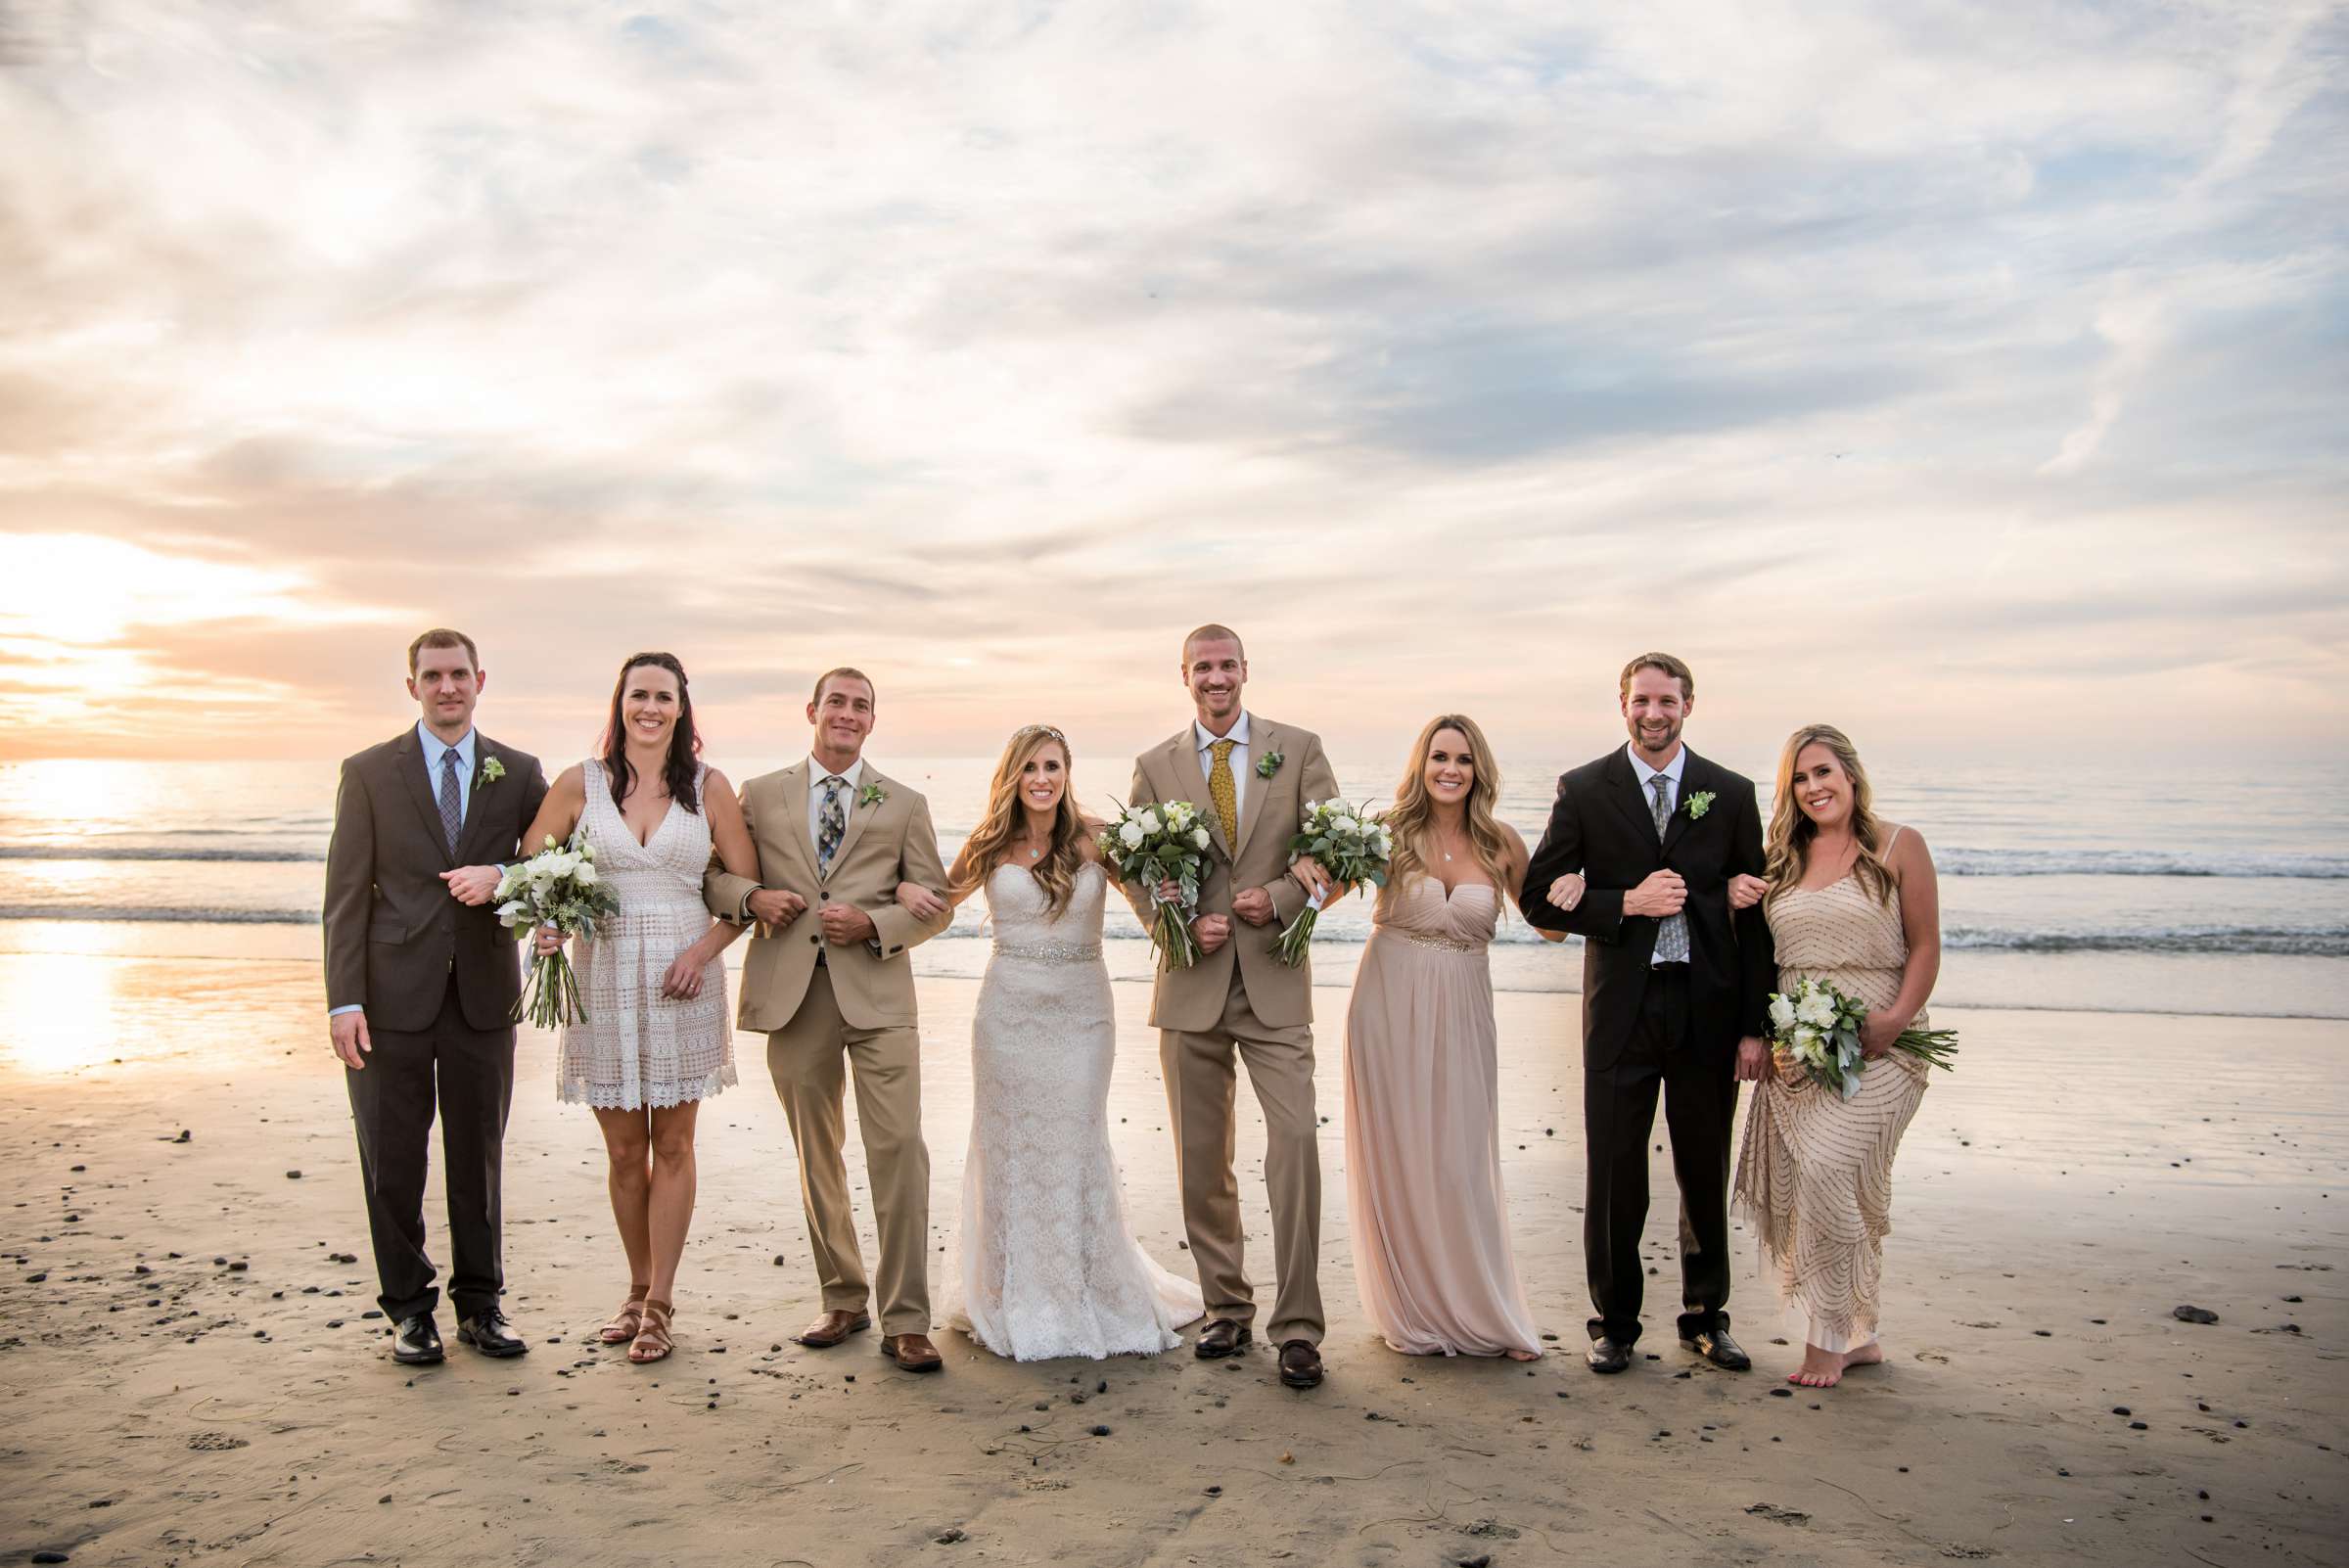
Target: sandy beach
pixel 191 1375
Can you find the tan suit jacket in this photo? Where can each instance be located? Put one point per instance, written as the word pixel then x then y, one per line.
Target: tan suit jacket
pixel 1271 811
pixel 886 842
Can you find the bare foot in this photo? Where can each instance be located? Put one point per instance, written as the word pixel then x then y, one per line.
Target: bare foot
pixel 1524 1355
pixel 1868 1355
pixel 1821 1368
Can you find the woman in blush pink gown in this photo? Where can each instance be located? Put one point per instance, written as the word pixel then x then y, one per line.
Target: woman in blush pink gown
pixel 1431 1241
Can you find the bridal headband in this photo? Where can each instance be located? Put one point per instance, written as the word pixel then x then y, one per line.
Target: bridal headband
pixel 1026 730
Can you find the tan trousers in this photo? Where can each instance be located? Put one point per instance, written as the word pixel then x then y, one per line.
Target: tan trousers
pixel 807 1058
pixel 1201 1089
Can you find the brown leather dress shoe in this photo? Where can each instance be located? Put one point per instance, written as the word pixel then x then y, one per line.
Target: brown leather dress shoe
pixel 830 1328
pixel 1299 1363
pixel 1224 1336
pixel 914 1353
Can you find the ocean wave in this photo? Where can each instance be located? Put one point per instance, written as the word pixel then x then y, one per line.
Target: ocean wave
pixel 175 914
pixel 2317 941
pixel 259 854
pixel 2136 863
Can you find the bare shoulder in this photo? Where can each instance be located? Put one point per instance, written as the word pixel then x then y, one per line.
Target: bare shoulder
pixel 1513 847
pixel 1906 848
pixel 571 783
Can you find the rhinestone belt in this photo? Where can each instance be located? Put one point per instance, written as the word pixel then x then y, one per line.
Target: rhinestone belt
pixel 1051 952
pixel 1440 943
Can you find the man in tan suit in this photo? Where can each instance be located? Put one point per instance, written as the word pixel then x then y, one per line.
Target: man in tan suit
pixel 827 980
pixel 1251 777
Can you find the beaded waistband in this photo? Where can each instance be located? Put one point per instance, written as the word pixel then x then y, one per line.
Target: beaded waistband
pixel 1441 944
pixel 1051 952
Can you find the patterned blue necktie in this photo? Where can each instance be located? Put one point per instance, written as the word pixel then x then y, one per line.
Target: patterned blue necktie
pixel 831 823
pixel 1671 936
pixel 452 798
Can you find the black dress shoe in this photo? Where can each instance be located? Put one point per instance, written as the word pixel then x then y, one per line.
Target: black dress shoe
pixel 486 1331
pixel 1299 1363
pixel 1716 1346
pixel 1608 1356
pixel 416 1341
pixel 1225 1336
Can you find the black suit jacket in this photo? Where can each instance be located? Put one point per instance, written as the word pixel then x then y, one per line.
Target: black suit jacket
pixel 394 934
pixel 1602 826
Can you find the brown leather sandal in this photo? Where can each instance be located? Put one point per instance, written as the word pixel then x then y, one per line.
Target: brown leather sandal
pixel 629 1319
pixel 652 1342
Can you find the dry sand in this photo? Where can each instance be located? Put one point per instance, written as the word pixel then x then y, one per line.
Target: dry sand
pixel 188 1376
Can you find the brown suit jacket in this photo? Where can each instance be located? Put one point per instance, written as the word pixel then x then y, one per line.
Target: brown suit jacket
pixel 394 934
pixel 1271 811
pixel 886 842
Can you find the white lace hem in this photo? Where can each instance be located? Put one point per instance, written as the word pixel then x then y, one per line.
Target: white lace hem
pixel 620 1097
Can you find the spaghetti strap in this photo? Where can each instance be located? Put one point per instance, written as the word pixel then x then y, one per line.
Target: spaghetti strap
pixel 1894 838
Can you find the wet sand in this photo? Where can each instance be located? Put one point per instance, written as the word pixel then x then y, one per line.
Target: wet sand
pixel 188 1375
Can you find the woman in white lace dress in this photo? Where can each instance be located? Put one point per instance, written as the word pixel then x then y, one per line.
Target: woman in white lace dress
pixel 656 1040
pixel 1045 1264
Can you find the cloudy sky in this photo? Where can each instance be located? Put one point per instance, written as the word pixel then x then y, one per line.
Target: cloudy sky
pixel 1975 377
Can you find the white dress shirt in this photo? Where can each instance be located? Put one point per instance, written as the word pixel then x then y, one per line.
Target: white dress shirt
pixel 435 748
pixel 1670 772
pixel 816 774
pixel 1239 760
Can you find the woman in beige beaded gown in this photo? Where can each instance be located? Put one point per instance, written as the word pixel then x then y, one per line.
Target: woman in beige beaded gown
pixel 1431 1239
pixel 1850 900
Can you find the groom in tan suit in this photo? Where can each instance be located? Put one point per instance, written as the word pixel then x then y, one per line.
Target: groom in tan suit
pixel 1252 777
pixel 828 982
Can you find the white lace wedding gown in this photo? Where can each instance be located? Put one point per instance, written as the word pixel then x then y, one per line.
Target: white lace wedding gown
pixel 1045 1265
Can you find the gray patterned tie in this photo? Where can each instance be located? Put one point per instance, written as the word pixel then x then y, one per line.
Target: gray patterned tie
pixel 452 798
pixel 831 823
pixel 1671 936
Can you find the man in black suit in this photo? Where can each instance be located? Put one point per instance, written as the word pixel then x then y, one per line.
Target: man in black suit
pixel 420 989
pixel 1676 992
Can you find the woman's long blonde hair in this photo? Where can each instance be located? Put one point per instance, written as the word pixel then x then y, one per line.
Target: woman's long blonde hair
pixel 1786 849
pixel 989 845
pixel 1413 813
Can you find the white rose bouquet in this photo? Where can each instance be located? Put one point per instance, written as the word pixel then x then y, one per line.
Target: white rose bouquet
pixel 557 887
pixel 1350 843
pixel 1815 1034
pixel 1162 843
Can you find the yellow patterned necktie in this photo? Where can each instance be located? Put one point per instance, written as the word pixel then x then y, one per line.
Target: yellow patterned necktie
pixel 1227 798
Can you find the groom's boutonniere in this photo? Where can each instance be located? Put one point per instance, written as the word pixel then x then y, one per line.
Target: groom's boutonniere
pixel 1269 764
pixel 1699 804
pixel 493 770
pixel 871 794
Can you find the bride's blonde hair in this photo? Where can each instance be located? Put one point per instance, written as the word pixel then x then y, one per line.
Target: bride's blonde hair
pixel 1415 810
pixel 990 843
pixel 1787 846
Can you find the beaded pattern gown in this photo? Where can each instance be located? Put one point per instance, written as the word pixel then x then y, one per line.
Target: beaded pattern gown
pixel 1431 1240
pixel 636 1048
pixel 1814 1174
pixel 1045 1265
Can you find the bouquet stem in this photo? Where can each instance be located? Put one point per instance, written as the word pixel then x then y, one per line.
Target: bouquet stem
pixel 1172 936
pixel 551 996
pixel 1296 941
pixel 1932 1046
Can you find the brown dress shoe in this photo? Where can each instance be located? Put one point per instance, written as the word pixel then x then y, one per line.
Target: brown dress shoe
pixel 830 1328
pixel 1224 1336
pixel 1299 1363
pixel 914 1353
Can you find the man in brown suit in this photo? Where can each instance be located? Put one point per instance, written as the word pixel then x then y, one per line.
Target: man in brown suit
pixel 420 991
pixel 828 982
pixel 1251 777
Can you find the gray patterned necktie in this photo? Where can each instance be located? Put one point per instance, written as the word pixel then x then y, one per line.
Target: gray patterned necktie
pixel 1672 935
pixel 452 798
pixel 831 823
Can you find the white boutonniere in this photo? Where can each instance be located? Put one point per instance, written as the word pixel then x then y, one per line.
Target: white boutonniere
pixel 1699 804
pixel 493 770
pixel 1269 764
pixel 871 794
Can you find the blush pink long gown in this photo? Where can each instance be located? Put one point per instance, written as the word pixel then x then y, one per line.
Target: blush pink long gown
pixel 1431 1240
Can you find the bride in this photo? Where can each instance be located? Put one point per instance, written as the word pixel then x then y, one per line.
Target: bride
pixel 1046 1265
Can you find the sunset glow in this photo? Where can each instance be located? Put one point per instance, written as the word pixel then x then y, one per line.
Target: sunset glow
pixel 1960 386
